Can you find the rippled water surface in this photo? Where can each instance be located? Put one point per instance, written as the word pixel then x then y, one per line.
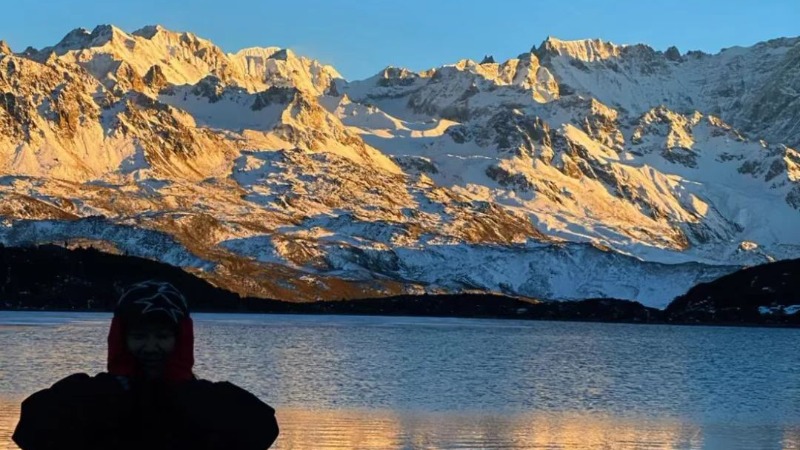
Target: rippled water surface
pixel 397 383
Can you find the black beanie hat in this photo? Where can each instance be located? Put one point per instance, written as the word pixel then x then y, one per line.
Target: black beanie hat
pixel 152 301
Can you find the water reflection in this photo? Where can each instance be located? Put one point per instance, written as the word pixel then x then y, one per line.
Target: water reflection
pixel 387 430
pixel 9 415
pixel 791 439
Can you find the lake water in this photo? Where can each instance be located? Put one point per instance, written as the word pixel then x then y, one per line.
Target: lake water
pixel 406 383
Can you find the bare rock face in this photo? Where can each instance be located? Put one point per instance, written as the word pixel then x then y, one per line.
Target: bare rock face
pixel 516 133
pixel 4 48
pixel 602 124
pixel 38 97
pixel 127 79
pixel 673 54
pixel 155 79
pixel 769 111
pixel 274 95
pixel 171 145
pixel 210 87
pixel 793 198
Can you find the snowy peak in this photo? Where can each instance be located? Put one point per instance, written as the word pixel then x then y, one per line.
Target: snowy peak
pixel 108 53
pixel 184 58
pixel 744 86
pixel 396 75
pixel 586 50
pixel 81 38
pixel 524 72
pixel 282 67
pixel 597 50
pixel 149 31
pixel 182 44
pixel 262 53
pixel 458 91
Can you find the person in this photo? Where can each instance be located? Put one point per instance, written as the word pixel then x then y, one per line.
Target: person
pixel 149 398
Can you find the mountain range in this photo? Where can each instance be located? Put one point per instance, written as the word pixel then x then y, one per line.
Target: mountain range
pixel 580 169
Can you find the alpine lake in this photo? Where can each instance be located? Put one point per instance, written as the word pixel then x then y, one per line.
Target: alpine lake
pixel 357 382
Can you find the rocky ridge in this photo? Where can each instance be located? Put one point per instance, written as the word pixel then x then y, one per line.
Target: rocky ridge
pixel 579 169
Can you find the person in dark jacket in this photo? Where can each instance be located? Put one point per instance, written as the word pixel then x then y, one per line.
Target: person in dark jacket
pixel 149 399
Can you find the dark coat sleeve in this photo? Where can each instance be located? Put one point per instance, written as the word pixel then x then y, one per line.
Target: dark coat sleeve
pixel 225 416
pixel 76 412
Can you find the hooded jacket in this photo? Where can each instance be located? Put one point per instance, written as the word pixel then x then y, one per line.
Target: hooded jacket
pixel 120 410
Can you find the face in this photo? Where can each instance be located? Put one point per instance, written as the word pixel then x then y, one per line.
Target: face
pixel 151 345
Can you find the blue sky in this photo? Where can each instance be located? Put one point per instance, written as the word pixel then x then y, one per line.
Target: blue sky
pixel 360 37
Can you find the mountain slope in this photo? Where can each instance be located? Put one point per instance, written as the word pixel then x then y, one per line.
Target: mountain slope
pixel 579 169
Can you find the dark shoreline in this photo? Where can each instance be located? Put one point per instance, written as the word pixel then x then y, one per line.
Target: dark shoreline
pixel 56 279
pixel 476 317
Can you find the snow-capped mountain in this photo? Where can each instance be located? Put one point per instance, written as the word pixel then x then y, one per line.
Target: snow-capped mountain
pixel 579 169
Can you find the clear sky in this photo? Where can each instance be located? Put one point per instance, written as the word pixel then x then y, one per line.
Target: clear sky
pixel 360 37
